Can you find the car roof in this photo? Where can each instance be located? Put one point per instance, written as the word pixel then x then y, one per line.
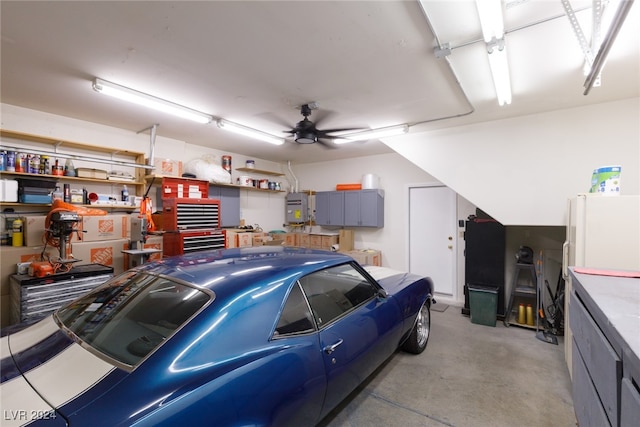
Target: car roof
pixel 232 269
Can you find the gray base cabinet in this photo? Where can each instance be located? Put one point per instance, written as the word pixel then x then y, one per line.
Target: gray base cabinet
pixel 605 350
pixel 362 208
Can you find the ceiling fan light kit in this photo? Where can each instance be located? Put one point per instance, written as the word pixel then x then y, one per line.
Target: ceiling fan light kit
pixel 149 101
pixel 250 132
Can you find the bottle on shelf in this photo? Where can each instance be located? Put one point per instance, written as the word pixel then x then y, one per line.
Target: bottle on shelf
pixel 11 161
pixel 17 237
pixel 67 193
pixel 125 193
pixel 69 168
pixel 57 194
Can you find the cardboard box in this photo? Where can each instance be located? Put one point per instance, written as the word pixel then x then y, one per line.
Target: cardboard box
pixel 328 241
pixel 366 256
pixel 244 240
pixel 291 239
pixel 315 241
pixel 230 239
pixel 106 227
pixel 277 236
pixel 168 167
pixel 346 239
pixel 304 240
pixel 108 252
pixel 258 239
pixel 34 226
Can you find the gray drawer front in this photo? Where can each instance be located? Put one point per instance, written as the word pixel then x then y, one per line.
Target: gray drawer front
pixel 602 362
pixel 586 404
pixel 629 404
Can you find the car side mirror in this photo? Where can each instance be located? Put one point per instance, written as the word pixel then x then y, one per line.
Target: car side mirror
pixel 382 293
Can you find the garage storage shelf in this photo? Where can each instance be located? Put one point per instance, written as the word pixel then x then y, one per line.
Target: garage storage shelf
pixel 158 178
pixel 54 147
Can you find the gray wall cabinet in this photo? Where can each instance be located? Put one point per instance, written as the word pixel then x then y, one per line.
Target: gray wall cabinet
pixel 229 204
pixel 363 208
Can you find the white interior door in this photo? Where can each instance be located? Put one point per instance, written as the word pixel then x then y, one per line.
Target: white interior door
pixel 432 236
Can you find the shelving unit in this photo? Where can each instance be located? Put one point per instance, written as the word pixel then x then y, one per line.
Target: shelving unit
pixel 263 172
pixel 57 148
pixel 158 179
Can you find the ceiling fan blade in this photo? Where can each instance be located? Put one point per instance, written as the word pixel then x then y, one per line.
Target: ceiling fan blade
pixel 326 144
pixel 320 116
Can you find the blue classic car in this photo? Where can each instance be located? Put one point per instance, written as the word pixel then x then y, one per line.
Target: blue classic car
pixel 241 337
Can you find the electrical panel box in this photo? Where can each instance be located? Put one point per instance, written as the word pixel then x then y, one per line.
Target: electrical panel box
pixel 297 208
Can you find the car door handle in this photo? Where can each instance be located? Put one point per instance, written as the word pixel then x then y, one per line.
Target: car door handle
pixel 331 348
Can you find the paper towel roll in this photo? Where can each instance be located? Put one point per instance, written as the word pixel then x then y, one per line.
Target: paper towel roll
pixel 370 181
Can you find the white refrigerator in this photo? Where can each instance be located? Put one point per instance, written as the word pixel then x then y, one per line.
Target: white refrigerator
pixel 602 232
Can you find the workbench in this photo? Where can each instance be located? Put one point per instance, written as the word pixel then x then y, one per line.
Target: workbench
pixel 605 320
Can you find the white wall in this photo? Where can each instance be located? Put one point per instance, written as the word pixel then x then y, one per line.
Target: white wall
pixel 522 170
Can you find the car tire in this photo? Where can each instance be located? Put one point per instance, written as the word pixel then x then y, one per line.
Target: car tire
pixel 419 337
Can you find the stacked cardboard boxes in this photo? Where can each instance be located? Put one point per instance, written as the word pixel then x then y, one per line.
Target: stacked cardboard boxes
pixel 101 241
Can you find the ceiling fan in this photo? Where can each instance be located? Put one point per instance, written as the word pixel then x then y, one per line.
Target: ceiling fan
pixel 306 132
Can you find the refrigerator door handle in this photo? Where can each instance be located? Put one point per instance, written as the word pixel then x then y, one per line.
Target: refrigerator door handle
pixel 565 260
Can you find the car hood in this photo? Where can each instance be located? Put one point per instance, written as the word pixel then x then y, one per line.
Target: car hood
pixel 391 280
pixel 42 369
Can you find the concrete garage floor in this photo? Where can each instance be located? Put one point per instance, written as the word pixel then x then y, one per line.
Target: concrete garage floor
pixel 469 375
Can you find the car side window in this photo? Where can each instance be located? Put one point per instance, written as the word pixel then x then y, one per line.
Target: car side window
pixel 335 291
pixel 296 317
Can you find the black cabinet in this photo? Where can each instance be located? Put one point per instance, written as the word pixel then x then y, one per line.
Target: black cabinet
pixel 484 257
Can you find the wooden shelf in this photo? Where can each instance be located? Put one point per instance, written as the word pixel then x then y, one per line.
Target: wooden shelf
pixel 216 184
pixel 68 178
pixel 48 205
pixel 259 171
pixel 57 143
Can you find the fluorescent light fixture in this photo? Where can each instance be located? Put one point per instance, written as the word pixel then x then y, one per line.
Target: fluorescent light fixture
pixel 250 132
pixel 373 134
pixel 500 72
pixel 490 13
pixel 149 101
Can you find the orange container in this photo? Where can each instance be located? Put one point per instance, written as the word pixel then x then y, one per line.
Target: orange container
pixel 345 187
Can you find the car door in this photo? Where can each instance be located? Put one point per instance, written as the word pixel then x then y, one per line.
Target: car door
pixel 359 327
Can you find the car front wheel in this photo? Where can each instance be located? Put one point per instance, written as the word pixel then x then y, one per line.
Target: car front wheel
pixel 419 337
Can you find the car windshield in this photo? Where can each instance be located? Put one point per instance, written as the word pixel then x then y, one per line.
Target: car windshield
pixel 132 314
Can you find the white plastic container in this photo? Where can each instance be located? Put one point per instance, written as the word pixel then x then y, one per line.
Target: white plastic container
pixel 8 190
pixel 370 181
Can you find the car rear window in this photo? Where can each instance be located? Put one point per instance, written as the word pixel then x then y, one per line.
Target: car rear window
pixel 132 314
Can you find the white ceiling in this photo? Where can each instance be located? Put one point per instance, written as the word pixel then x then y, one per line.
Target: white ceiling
pixel 367 64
